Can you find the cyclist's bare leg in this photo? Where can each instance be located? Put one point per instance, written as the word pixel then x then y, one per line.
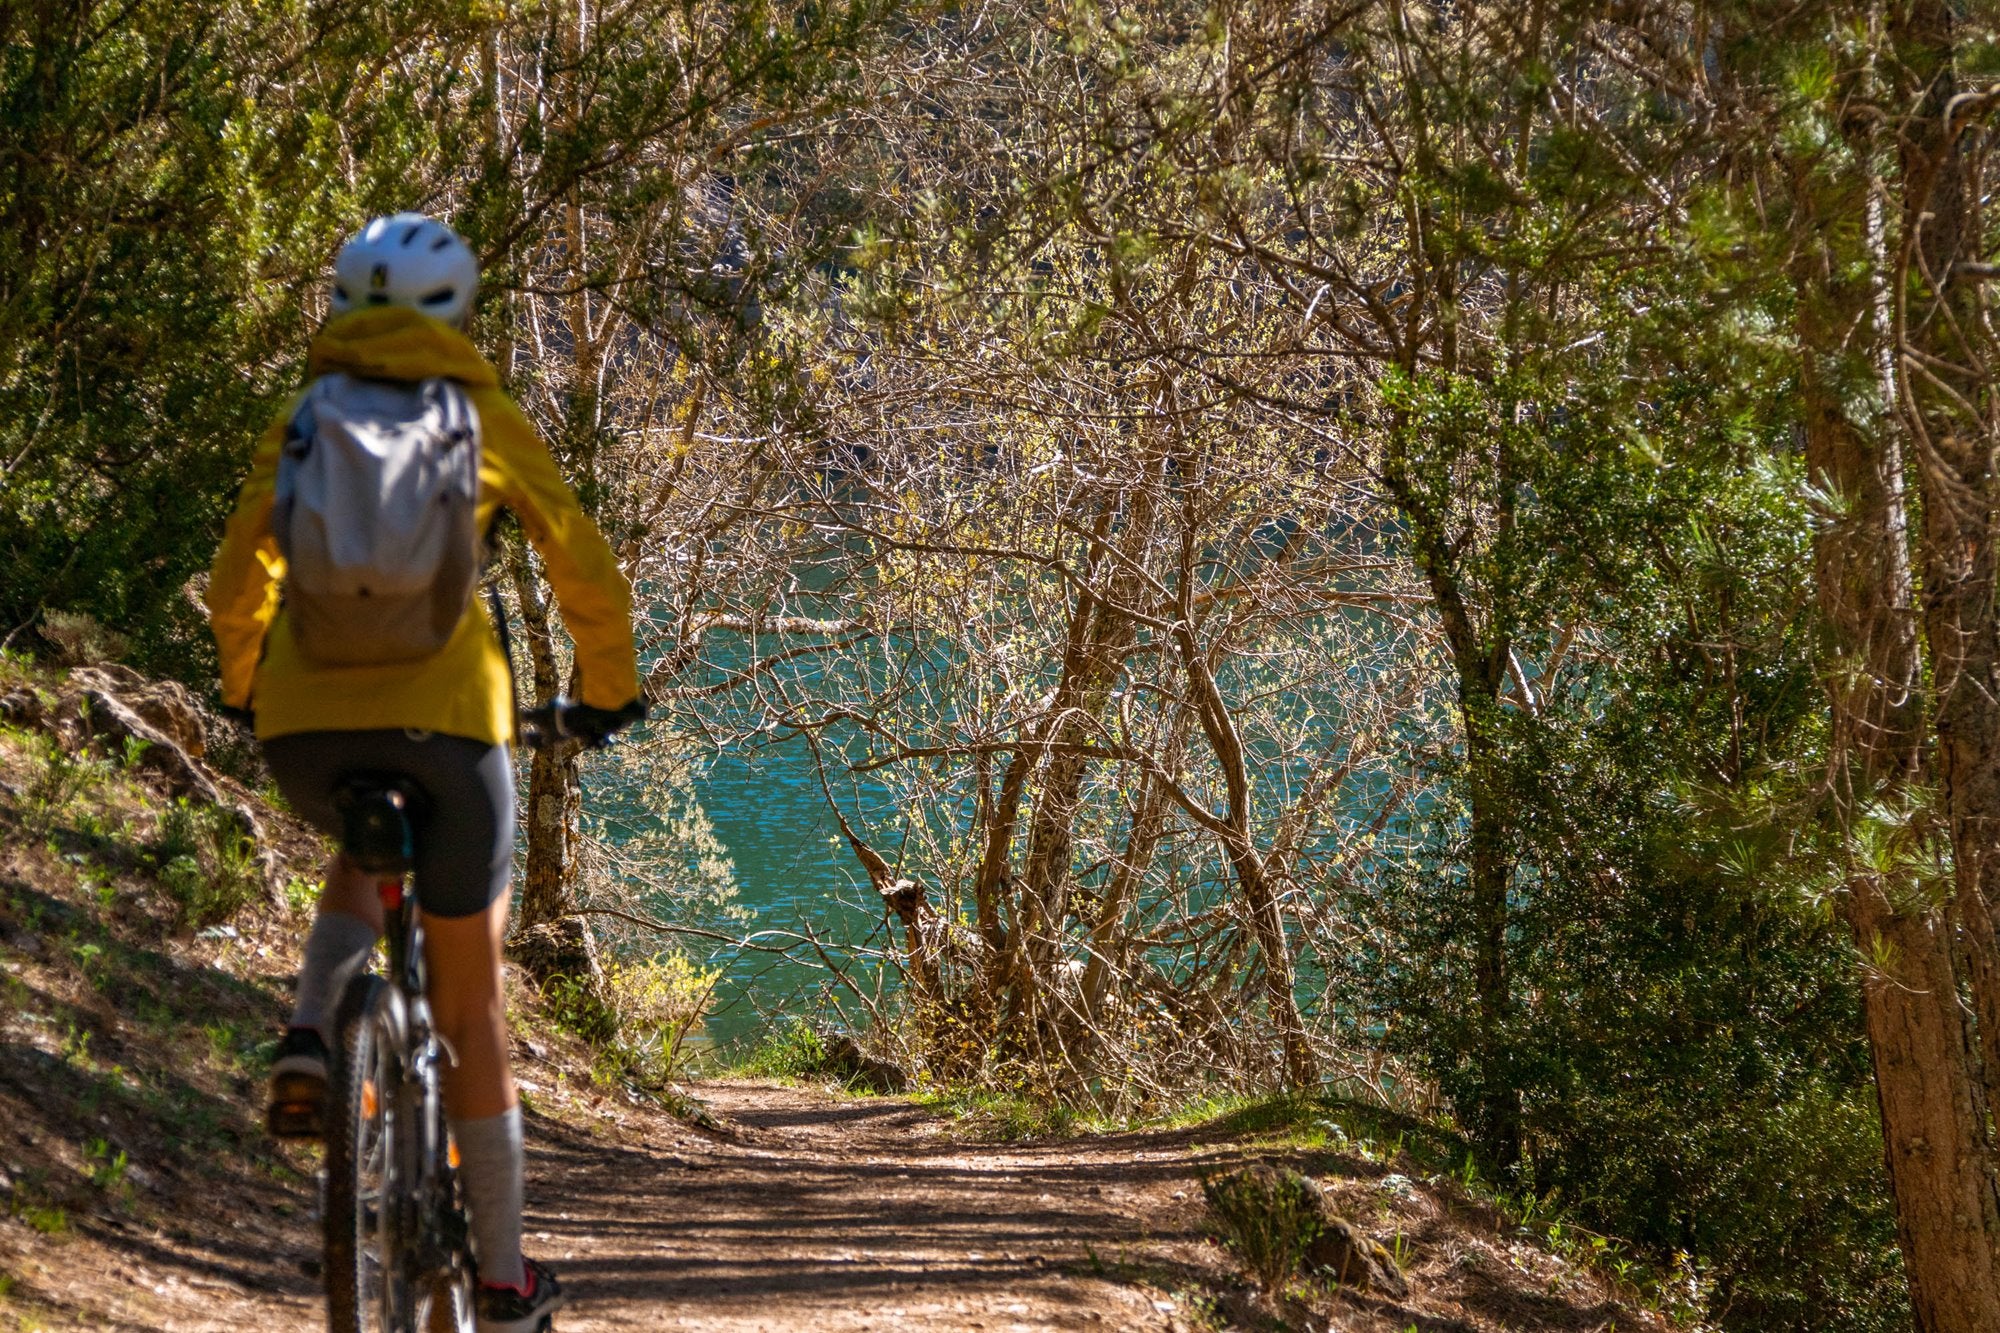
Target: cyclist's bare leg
pixel 345 929
pixel 351 890
pixel 343 935
pixel 462 955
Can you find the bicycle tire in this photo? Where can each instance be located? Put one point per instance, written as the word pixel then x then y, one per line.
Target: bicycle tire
pixel 448 1303
pixel 364 1166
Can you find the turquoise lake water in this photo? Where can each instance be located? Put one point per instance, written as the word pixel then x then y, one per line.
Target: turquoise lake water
pixel 795 875
pixel 791 875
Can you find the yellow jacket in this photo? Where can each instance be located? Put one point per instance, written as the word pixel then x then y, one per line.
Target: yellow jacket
pixel 463 690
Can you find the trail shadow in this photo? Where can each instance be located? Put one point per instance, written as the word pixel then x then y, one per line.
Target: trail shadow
pixel 844 1114
pixel 155 1152
pixel 837 1210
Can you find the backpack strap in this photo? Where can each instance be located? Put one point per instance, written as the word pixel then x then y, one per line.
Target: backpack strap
pixel 461 421
pixel 303 424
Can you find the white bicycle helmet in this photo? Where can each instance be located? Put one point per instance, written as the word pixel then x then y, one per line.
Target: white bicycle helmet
pixel 406 259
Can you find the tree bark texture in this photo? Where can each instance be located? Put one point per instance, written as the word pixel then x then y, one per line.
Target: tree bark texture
pixel 548 937
pixel 1931 1102
pixel 1943 340
pixel 1142 840
pixel 1246 862
pixel 1102 636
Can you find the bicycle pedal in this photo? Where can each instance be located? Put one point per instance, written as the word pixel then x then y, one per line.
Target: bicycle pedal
pixel 295 1120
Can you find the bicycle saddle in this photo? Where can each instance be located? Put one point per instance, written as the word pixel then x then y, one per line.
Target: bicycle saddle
pixel 376 810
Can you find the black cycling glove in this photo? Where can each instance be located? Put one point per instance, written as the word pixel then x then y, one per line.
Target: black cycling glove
pixel 595 725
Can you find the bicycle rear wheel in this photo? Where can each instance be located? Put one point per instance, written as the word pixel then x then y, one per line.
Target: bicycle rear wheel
pixel 367 1176
pixel 447 1303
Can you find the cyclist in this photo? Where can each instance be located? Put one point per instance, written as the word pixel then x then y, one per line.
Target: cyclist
pixel 402 292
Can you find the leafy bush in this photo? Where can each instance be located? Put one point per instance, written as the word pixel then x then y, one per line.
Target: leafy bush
pixel 795 1050
pixel 232 751
pixel 1687 1045
pixel 579 1006
pixel 80 640
pixel 638 1015
pixel 205 862
pixel 1268 1216
pixel 658 1002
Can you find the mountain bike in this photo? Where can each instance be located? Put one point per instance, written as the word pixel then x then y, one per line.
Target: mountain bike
pixel 397 1250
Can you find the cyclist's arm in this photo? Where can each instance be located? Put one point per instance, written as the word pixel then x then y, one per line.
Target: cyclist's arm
pixel 590 588
pixel 242 595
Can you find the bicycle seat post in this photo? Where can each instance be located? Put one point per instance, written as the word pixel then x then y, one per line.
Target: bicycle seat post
pixel 377 814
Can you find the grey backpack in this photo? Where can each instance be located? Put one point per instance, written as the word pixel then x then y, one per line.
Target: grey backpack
pixel 378 485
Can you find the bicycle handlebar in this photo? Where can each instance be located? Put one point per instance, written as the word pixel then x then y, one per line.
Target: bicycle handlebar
pixel 562 720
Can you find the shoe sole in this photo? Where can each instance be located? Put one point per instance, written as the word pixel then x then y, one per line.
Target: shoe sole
pixel 542 1323
pixel 539 1322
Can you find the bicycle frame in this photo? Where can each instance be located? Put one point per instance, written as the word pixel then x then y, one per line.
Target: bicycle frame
pixel 423 1073
pixel 418 1252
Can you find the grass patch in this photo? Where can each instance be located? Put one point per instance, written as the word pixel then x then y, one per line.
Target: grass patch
pixel 1391 1139
pixel 1269 1217
pixel 1011 1116
pixel 48 1219
pixel 32 1204
pixel 796 1050
pixel 206 864
pixel 1374 1133
pixel 56 779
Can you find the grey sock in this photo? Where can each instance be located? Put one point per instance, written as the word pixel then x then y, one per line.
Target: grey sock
pixel 489 1175
pixel 336 949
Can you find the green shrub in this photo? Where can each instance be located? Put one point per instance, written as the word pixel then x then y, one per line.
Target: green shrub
pixel 579 1006
pixel 795 1050
pixel 1687 1046
pixel 1268 1216
pixel 56 779
pixel 659 1003
pixel 205 863
pixel 78 638
pixel 232 750
pixel 302 895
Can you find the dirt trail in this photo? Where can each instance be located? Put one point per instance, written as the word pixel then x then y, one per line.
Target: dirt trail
pixel 811 1210
pixel 807 1211
pixel 838 1214
pixel 830 1213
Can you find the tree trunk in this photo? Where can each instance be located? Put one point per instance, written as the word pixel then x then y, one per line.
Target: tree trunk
pixel 1493 1109
pixel 1943 353
pixel 1933 1117
pixel 1496 1112
pixel 1102 637
pixel 549 939
pixel 1149 823
pixel 1267 919
pixel 910 904
pixel 1002 814
pixel 1043 898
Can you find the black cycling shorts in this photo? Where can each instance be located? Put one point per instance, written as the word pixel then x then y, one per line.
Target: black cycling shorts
pixel 465 838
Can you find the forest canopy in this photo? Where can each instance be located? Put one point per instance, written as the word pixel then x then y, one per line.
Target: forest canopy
pixel 1438 553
